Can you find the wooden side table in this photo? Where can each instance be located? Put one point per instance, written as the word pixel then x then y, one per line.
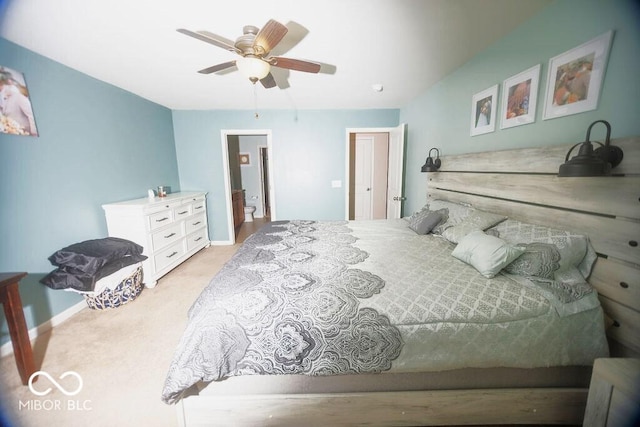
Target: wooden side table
pixel 12 304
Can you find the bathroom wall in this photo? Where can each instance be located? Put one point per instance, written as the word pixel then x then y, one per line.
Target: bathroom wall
pixel 252 174
pixel 235 175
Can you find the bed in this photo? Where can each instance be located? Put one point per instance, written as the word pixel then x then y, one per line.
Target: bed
pixel 334 324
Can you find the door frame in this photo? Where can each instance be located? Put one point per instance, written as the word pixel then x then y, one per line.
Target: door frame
pixel 224 134
pixel 347 185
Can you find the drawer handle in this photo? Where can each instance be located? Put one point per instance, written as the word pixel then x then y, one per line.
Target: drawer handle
pixel 172 254
pixel 196 223
pixel 198 239
pixel 162 219
pixel 183 212
pixel 624 285
pixel 197 207
pixel 170 235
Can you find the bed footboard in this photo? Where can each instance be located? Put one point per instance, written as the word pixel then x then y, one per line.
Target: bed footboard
pixel 409 408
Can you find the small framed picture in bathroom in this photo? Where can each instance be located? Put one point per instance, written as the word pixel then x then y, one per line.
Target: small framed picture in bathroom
pixel 244 159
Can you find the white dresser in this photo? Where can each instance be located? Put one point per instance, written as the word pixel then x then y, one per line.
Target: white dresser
pixel 170 229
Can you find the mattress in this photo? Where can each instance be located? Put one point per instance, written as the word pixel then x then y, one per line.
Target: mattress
pixel 339 298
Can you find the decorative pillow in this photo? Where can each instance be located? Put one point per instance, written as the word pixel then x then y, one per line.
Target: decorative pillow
pixel 455 213
pixel 487 254
pixel 425 221
pixel 538 260
pixel 577 256
pixel 476 220
pixel 91 255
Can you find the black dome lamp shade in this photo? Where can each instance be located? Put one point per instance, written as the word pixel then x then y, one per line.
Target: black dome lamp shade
pixel 590 162
pixel 431 165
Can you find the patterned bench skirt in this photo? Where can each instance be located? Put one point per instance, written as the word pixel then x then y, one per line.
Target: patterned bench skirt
pixel 124 292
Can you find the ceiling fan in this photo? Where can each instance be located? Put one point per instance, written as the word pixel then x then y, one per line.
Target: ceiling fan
pixel 254 46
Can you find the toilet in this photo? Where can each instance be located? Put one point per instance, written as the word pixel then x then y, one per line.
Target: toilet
pixel 248 213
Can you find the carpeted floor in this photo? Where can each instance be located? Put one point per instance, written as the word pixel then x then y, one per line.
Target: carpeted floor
pixel 121 354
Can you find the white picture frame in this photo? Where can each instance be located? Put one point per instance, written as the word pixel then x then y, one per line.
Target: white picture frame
pixel 572 87
pixel 483 111
pixel 519 98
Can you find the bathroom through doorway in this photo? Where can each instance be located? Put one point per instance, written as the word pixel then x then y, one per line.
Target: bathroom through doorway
pixel 249 190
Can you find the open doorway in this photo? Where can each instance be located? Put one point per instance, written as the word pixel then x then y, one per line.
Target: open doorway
pixel 374 173
pixel 248 179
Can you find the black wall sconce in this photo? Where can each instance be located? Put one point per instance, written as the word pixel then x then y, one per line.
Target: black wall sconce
pixel 590 162
pixel 431 165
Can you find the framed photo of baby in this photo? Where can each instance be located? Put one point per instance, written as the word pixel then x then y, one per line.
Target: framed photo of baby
pixel 483 111
pixel 575 78
pixel 519 96
pixel 16 114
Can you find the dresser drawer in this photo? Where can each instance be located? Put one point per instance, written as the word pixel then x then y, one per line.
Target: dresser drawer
pixel 160 219
pixel 194 223
pixel 167 256
pixel 198 205
pixel 182 211
pixel 196 239
pixel 166 236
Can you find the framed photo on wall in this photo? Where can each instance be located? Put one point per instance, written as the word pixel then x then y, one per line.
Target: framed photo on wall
pixel 519 95
pixel 483 111
pixel 244 159
pixel 16 114
pixel 575 78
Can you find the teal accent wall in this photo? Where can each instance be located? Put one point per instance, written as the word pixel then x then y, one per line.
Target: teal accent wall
pixel 309 149
pixel 441 117
pixel 97 144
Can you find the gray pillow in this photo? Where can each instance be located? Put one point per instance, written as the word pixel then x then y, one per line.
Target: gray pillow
pixel 424 221
pixel 538 259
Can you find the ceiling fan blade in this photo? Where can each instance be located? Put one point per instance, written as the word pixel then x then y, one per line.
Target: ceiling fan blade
pixel 217 68
pixel 211 38
pixel 295 64
pixel 268 82
pixel 269 36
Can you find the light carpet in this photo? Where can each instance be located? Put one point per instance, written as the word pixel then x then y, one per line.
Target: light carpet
pixel 121 354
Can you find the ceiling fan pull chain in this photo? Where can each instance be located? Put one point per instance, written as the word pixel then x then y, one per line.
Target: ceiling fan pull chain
pixel 255 101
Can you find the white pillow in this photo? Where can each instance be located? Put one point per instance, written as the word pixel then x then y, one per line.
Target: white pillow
pixel 487 254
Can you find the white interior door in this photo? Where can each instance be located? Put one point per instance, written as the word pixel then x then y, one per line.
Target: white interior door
pixel 363 177
pixel 395 195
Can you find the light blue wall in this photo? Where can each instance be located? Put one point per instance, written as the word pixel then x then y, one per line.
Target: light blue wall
pixel 308 153
pixel 97 144
pixel 441 116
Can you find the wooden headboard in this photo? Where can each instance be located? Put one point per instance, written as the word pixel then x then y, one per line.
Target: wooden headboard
pixel 523 184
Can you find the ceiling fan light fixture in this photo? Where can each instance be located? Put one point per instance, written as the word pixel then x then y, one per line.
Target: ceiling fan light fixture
pixel 253 68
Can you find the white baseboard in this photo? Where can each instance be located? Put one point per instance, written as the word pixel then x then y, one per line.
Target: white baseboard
pixel 7 348
pixel 221 243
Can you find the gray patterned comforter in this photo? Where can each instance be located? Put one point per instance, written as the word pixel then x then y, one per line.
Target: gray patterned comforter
pixel 326 298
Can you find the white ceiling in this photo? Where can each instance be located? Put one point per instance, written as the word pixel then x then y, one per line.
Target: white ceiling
pixel 405 45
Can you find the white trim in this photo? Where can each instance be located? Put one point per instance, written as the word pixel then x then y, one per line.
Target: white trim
pixel 221 242
pixel 7 348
